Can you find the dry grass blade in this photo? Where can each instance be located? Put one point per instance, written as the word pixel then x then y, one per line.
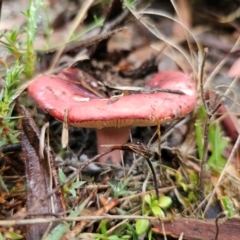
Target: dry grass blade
pixel 78 19
pixel 159 35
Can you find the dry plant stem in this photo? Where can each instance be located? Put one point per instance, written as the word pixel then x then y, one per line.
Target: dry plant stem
pixel 202 59
pixel 159 35
pixel 81 218
pixel 42 139
pixel 50 167
pixel 154 177
pixel 143 151
pixel 220 215
pixel 134 164
pixel 181 236
pixel 164 232
pixel 110 231
pixel 78 19
pixel 111 135
pixel 221 63
pixel 145 182
pixel 159 151
pixel 204 159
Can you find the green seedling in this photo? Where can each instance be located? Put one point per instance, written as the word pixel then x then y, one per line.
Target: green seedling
pixel 152 206
pixel 3 185
pixel 69 188
pixel 129 3
pixel 104 236
pixel 119 188
pixel 228 206
pixel 188 184
pixel 142 226
pixel 156 206
pixel 217 143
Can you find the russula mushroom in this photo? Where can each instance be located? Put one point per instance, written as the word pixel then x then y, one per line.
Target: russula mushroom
pixel 113 117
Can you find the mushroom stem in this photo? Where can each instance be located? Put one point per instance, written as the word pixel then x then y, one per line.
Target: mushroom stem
pixel 111 135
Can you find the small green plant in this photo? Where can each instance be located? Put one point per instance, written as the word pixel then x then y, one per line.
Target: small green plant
pixel 152 206
pixel 7 97
pixel 11 235
pixel 119 187
pixel 227 206
pixel 104 236
pixel 217 143
pixel 129 3
pixel 156 206
pixel 22 70
pixel 69 188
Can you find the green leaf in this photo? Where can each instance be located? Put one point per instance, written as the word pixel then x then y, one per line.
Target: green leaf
pixel 218 143
pixel 103 226
pixel 73 192
pixel 147 199
pixel 2 184
pixel 164 202
pixel 99 235
pixel 61 175
pixel 150 234
pixel 126 237
pixel 132 231
pixel 199 139
pixel 142 226
pixel 12 235
pixel 78 184
pixel 157 211
pixel 114 237
pixel 192 197
pixel 227 205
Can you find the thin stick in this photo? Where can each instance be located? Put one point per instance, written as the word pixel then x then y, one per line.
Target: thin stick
pixel 81 218
pixel 221 63
pixel 202 59
pixel 159 152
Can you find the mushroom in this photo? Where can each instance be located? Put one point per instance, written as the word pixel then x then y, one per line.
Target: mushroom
pixel 113 117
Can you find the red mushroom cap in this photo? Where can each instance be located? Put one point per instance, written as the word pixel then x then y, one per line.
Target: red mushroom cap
pixel 55 94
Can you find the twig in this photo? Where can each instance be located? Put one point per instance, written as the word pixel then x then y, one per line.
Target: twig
pixel 15 147
pixel 220 215
pixel 141 194
pixel 202 59
pixel 159 152
pixel 81 218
